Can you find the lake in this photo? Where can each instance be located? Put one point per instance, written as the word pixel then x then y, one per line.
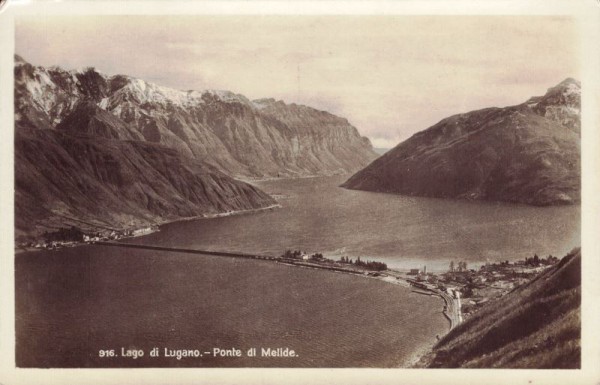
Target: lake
pixel 74 303
pixel 405 232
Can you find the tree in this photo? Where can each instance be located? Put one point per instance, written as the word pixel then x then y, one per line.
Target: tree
pixel 451 265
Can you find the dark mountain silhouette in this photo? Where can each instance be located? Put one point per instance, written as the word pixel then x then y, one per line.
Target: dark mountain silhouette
pixel 529 153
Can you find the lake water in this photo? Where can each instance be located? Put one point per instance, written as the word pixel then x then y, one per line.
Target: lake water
pixel 72 303
pixel 405 232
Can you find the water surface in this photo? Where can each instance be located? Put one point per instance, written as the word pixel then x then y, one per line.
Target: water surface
pixel 405 232
pixel 73 303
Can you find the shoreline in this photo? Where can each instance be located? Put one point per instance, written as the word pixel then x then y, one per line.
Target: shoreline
pixel 416 356
pixel 388 276
pixel 19 250
pixel 451 308
pixel 274 178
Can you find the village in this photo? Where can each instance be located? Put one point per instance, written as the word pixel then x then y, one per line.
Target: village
pixel 463 289
pixel 74 236
pixel 477 286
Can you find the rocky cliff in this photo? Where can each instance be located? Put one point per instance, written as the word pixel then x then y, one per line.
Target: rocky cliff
pixel 263 138
pixel 529 153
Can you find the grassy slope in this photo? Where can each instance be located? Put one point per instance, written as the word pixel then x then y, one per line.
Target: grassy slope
pixel 537 325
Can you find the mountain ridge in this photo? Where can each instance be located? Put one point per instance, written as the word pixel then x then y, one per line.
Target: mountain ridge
pixel 527 153
pixel 241 137
pixel 117 151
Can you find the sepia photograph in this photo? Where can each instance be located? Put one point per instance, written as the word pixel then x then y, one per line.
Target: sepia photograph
pixel 348 191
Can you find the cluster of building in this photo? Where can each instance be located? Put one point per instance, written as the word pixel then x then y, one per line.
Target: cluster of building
pixel 49 245
pixel 73 237
pixel 117 234
pixel 478 286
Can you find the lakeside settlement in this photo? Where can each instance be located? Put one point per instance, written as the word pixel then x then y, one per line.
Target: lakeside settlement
pixel 75 235
pixel 463 290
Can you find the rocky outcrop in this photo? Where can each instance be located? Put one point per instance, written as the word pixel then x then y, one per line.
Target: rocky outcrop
pixel 529 153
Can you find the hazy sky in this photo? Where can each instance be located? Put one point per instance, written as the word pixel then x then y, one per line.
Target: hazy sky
pixel 390 76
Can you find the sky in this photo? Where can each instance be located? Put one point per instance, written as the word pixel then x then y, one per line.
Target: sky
pixel 390 76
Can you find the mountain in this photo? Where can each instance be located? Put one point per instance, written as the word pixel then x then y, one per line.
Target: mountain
pixel 528 153
pixel 538 325
pixel 92 182
pixel 78 164
pixel 243 138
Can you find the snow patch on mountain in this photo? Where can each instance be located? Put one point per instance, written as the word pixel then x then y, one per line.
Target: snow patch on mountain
pixel 43 90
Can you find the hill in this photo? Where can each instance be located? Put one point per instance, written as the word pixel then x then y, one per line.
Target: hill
pixel 537 325
pixel 529 153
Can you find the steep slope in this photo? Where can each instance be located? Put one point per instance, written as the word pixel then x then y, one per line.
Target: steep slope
pixel 538 325
pixel 528 153
pixel 240 137
pixel 321 137
pixel 98 182
pixel 115 151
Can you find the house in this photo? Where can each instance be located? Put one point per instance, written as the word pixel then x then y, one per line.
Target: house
pixel 414 272
pixel 143 230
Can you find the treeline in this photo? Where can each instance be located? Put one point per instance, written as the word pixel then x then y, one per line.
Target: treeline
pixel 369 265
pixel 289 254
pixel 460 266
pixel 536 261
pixel 298 254
pixel 318 257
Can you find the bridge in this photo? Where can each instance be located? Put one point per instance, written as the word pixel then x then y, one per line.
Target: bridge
pixel 451 311
pixel 190 251
pixel 288 261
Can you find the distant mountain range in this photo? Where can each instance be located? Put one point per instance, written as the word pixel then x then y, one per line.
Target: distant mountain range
pixel 529 153
pixel 261 138
pixel 116 151
pixel 538 325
